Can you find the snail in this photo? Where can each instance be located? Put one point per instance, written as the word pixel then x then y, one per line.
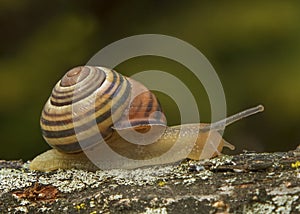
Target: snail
pixel 91 101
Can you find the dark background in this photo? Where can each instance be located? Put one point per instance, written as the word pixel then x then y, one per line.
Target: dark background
pixel 254 47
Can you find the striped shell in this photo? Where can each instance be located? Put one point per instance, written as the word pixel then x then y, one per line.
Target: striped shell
pixel 91 100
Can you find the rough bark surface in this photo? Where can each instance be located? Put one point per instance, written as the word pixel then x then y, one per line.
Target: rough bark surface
pixel 245 183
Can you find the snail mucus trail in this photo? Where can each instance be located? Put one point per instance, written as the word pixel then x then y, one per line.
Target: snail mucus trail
pixel 85 94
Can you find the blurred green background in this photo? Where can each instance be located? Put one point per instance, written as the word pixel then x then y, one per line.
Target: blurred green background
pixel 254 47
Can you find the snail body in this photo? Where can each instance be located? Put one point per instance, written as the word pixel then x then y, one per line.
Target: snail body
pixel 92 109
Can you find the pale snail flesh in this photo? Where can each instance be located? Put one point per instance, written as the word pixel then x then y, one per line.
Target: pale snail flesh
pixel 105 96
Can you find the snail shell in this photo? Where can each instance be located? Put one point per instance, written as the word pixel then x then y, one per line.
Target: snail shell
pixel 91 100
pixel 88 94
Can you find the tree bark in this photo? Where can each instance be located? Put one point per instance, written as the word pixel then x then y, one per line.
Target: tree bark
pixel 244 183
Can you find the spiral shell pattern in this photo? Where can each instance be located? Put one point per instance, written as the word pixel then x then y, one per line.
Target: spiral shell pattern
pixel 87 101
